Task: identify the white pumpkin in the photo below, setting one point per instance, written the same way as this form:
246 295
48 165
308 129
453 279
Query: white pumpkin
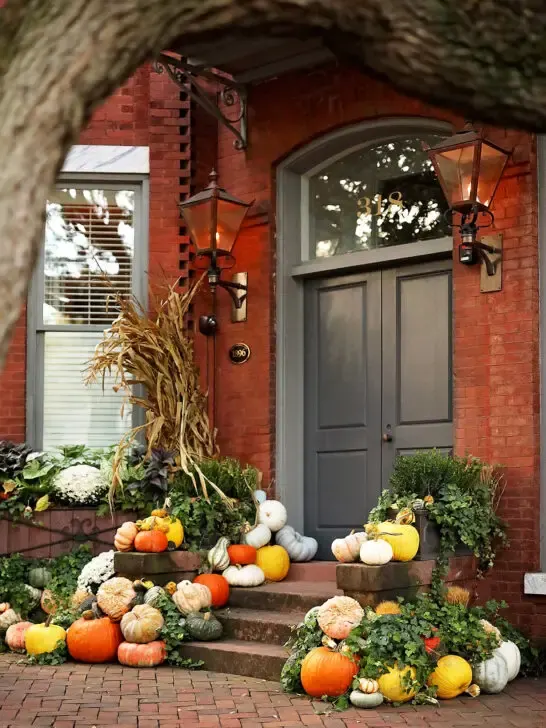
299 548
491 675
510 653
366 685
348 549
190 597
272 514
376 552
365 700
8 618
260 495
259 536
250 575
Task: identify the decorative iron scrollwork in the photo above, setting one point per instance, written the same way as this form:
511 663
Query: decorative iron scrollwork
231 95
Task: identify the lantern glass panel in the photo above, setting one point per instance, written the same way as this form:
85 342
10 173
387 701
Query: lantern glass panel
455 170
230 219
492 162
199 219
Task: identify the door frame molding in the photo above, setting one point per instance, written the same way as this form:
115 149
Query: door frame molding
292 272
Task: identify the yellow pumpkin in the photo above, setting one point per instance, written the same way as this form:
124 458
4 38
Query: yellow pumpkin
452 676
403 539
274 562
175 534
42 638
390 684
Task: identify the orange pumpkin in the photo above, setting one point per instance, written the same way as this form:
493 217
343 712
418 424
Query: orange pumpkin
218 586
242 554
93 640
151 542
325 672
15 636
135 655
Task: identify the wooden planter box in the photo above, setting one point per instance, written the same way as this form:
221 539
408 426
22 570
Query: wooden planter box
370 585
159 568
58 531
429 537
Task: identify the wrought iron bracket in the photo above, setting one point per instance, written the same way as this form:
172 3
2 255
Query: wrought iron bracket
237 291
231 95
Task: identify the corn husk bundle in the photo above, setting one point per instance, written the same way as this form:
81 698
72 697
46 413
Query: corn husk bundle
152 358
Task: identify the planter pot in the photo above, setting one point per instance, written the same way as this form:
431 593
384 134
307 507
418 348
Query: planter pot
429 537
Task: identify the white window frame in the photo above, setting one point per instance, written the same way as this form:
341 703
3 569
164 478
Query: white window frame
35 326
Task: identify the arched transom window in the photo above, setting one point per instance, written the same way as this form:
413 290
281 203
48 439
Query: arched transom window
377 196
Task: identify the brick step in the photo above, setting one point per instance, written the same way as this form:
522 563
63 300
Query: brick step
259 625
285 596
312 571
238 657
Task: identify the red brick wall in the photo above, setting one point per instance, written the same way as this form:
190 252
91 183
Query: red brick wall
146 111
496 370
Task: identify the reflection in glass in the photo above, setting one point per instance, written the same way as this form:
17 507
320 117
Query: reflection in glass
89 247
376 197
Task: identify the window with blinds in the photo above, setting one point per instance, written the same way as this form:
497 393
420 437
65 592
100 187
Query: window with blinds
89 256
89 250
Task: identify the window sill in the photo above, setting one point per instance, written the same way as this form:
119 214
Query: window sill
535 583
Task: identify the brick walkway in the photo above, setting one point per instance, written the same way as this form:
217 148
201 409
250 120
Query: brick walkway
81 696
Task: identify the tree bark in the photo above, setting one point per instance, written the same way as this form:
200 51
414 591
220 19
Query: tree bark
60 59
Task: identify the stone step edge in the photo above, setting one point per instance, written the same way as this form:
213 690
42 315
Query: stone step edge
238 657
259 615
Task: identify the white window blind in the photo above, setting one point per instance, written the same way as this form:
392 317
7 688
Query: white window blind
74 413
89 257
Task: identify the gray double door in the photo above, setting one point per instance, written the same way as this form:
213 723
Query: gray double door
378 384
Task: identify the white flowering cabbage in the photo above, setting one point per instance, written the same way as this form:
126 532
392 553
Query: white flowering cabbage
80 485
97 571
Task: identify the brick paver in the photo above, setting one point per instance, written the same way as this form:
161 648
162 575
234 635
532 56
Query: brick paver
112 696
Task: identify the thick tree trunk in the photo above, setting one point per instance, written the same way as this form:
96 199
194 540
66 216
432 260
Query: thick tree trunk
60 59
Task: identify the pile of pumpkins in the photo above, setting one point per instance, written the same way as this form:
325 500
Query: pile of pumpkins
255 561
379 543
159 532
122 621
331 668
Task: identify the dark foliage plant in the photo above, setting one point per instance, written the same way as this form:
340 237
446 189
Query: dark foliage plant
12 459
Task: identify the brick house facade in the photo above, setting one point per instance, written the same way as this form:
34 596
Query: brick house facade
495 340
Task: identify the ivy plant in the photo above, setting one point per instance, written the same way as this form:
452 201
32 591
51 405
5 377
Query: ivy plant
174 634
306 637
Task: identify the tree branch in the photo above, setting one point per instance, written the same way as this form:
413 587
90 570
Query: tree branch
60 59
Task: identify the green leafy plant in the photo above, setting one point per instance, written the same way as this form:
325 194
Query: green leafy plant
463 495
206 520
306 637
64 570
533 658
173 634
56 657
13 577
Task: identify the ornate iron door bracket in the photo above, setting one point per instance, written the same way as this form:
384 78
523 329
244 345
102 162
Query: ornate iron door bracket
231 94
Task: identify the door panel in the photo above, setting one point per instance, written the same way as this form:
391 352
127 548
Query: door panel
342 404
377 361
417 376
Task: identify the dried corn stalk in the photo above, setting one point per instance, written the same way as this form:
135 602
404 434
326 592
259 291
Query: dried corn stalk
155 352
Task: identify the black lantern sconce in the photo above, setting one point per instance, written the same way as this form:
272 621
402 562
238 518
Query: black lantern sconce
214 218
469 169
